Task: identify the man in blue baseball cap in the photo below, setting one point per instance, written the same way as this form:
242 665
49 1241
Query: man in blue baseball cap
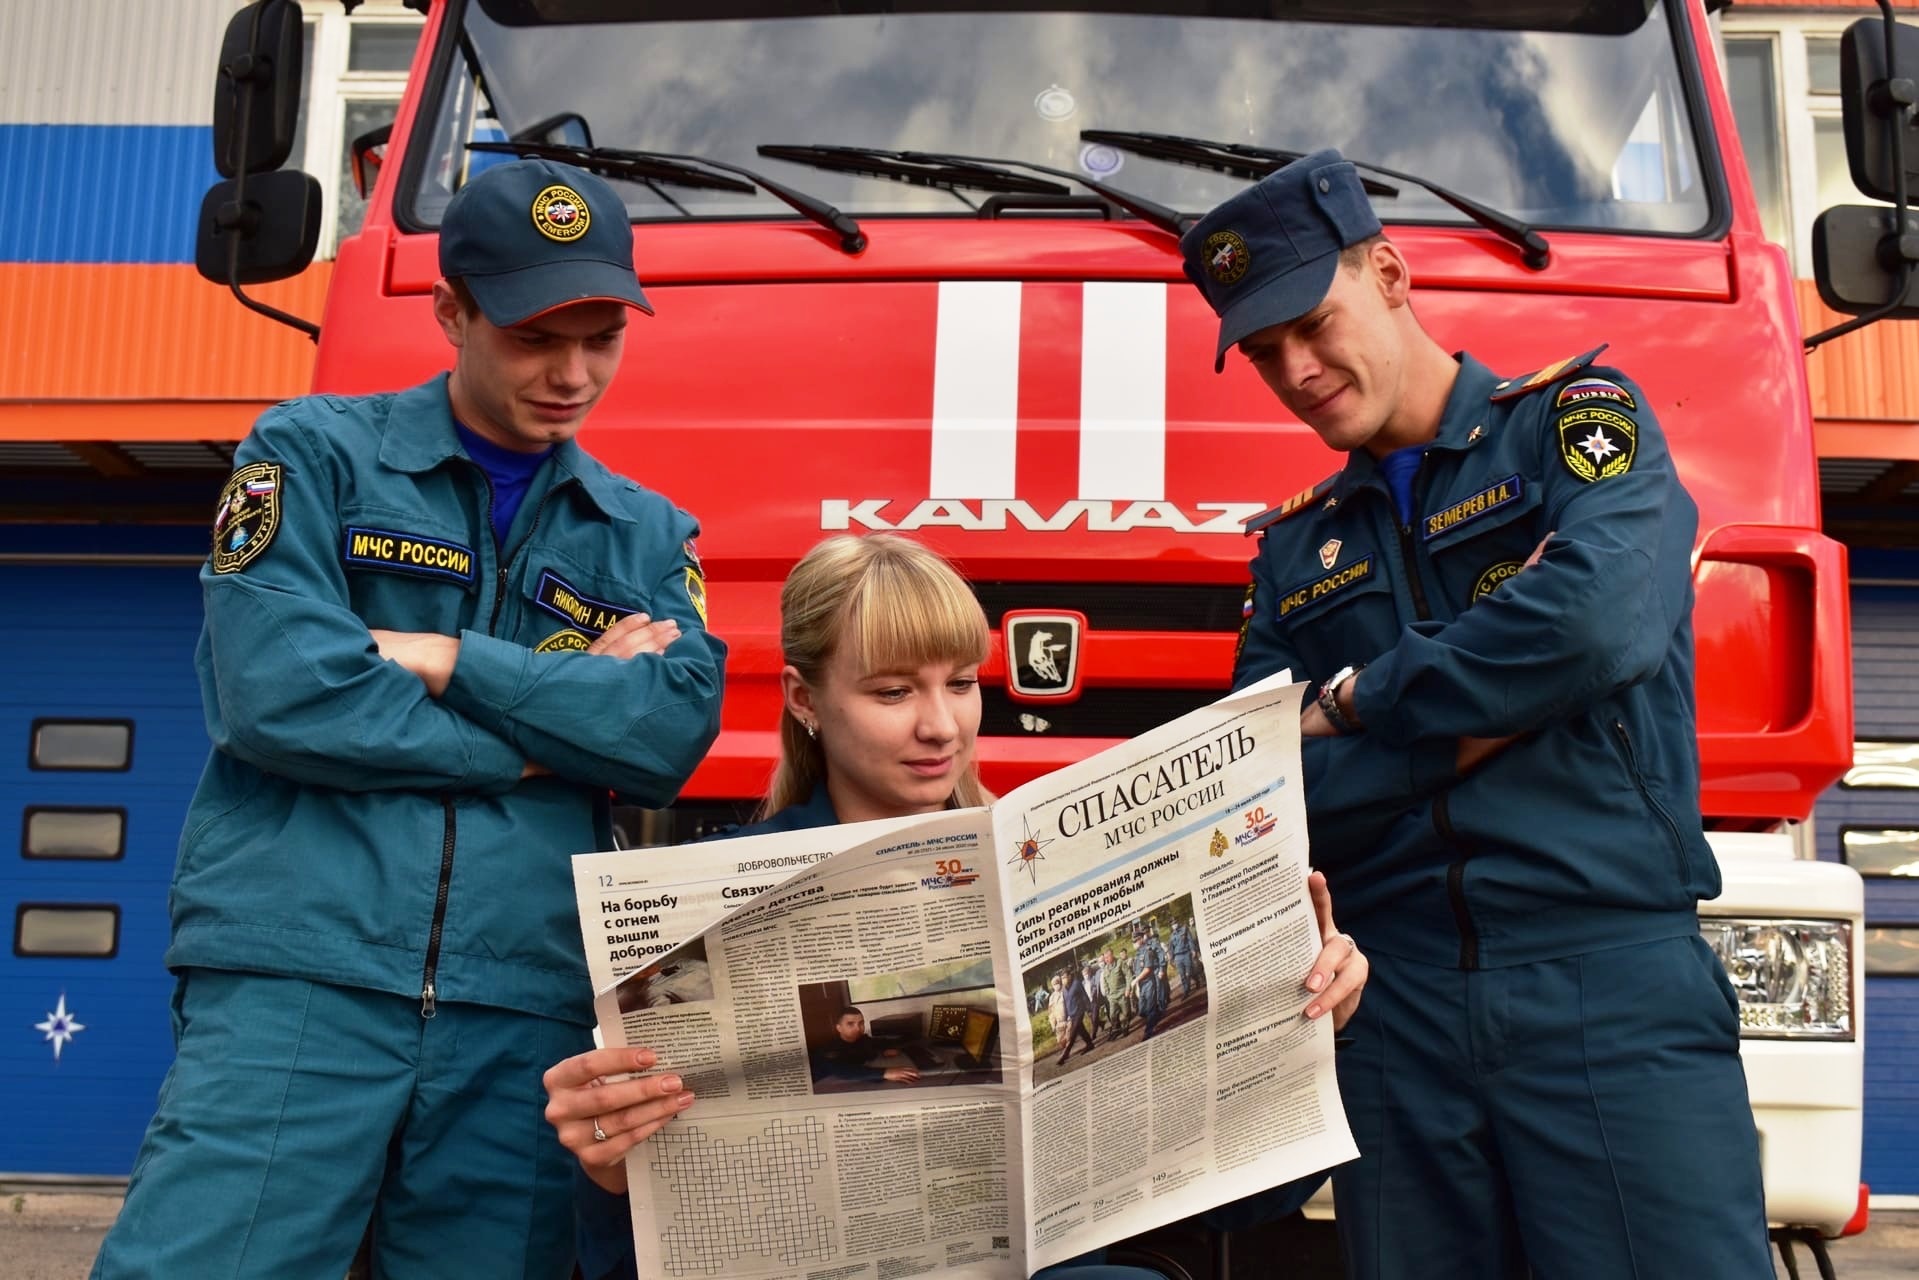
1493 600
438 635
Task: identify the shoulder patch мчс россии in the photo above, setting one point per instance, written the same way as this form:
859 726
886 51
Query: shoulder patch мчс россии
248 516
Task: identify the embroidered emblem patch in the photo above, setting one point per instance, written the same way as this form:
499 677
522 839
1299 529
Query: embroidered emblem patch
557 596
1227 257
407 553
1328 552
560 214
248 516
1583 390
1347 575
1489 581
696 592
1491 498
1597 442
566 640
692 553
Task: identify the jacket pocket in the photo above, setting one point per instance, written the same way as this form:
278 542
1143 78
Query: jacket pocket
1622 738
1482 538
1339 615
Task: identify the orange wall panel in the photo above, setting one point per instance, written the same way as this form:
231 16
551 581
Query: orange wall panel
141 331
1869 375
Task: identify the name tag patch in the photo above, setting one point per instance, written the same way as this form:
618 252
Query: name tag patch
407 553
1347 575
558 597
1491 498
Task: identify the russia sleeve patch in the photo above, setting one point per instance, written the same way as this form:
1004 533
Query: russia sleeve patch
247 518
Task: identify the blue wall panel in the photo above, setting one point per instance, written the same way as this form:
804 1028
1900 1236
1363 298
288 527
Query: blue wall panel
93 642
1885 650
102 193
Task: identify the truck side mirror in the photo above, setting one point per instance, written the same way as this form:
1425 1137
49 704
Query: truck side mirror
274 227
1856 257
1876 105
262 51
1863 256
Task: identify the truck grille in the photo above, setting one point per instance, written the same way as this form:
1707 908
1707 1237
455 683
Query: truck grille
1122 606
1097 713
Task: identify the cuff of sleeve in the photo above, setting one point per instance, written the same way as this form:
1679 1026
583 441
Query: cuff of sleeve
1435 762
486 680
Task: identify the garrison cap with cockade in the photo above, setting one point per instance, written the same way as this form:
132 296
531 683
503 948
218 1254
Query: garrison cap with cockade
1267 255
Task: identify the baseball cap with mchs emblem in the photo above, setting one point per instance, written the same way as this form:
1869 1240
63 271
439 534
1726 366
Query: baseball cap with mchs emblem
534 235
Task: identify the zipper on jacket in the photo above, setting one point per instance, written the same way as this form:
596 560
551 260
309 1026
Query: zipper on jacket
429 997
1456 885
1645 793
499 596
1413 584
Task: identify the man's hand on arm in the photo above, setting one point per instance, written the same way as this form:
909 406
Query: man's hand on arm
635 634
426 654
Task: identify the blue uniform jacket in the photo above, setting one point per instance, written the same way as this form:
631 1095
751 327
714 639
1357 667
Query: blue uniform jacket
348 827
1586 832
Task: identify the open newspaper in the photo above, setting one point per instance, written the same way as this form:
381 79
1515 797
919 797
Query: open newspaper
978 1042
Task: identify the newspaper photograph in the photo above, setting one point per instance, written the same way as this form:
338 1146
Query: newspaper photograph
981 1041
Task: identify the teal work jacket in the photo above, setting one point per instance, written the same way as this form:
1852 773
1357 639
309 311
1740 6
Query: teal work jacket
348 827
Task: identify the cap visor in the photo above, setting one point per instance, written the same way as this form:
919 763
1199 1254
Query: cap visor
1283 298
513 297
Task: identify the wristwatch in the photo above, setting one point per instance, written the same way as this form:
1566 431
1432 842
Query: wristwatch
1329 701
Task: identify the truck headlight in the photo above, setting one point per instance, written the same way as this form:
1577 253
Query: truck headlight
1793 977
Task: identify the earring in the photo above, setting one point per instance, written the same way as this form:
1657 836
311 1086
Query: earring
812 730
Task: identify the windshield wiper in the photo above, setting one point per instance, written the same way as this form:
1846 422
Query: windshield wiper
676 170
946 171
1241 160
920 169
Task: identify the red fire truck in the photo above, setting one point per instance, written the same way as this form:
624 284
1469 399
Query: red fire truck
915 268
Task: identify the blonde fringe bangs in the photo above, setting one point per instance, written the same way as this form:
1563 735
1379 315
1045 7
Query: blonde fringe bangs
909 611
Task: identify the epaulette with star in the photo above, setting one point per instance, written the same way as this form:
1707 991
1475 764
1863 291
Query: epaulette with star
1292 506
1513 388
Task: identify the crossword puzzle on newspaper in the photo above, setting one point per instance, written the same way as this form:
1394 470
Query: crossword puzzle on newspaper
737 1198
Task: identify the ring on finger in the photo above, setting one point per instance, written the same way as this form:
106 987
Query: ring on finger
599 1134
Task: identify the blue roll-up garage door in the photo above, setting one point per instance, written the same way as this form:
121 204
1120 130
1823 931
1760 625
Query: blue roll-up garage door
101 741
1871 820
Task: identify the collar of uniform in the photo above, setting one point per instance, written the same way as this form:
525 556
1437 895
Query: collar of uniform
818 809
601 486
420 437
1469 405
419 428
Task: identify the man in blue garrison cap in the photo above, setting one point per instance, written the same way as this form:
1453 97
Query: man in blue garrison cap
1492 599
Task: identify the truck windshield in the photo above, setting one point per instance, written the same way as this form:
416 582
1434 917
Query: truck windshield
1585 126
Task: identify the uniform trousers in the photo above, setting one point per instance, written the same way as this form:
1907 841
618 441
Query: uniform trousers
297 1112
1575 1119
